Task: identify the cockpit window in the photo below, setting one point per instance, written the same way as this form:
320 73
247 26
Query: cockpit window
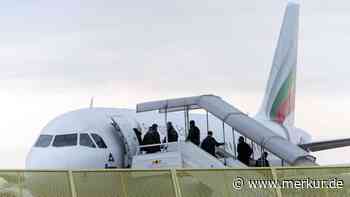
99 141
65 140
85 140
43 141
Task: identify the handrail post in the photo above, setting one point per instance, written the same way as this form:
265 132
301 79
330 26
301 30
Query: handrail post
166 125
72 185
234 142
224 135
252 145
207 116
188 118
185 120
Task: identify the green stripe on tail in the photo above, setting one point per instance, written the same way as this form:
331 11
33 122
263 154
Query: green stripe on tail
284 102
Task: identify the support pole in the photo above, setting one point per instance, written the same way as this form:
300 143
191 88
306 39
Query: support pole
185 120
176 183
275 178
122 181
224 135
207 120
261 153
166 124
71 183
252 145
20 183
234 142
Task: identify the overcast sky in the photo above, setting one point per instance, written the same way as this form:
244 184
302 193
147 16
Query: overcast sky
55 55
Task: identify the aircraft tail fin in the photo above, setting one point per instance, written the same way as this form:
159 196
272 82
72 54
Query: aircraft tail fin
279 100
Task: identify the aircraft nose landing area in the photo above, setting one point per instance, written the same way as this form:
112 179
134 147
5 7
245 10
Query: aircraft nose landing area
308 181
49 159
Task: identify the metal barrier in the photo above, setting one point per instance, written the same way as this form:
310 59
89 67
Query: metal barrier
178 182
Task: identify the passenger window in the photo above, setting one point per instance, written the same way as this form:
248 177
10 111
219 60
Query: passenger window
43 141
65 140
99 141
85 140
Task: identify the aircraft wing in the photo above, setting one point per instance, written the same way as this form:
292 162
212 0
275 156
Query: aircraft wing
325 145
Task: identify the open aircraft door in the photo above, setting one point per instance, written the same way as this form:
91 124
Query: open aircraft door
124 128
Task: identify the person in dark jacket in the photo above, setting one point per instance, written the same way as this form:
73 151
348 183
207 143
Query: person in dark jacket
151 137
147 139
209 144
262 161
244 151
194 133
172 134
138 135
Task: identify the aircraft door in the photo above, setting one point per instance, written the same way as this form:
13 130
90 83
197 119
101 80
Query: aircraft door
124 128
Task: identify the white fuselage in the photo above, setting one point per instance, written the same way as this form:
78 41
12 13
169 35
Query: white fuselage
98 121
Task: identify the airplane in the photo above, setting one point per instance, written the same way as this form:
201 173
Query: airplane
94 137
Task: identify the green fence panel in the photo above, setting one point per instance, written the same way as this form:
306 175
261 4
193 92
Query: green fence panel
10 184
46 184
308 181
255 182
223 182
138 183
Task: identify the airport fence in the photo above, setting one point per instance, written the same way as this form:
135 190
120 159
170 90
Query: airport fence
231 182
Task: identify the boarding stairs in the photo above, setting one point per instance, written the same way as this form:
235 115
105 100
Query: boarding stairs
250 128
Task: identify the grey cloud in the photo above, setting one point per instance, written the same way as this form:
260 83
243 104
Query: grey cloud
206 45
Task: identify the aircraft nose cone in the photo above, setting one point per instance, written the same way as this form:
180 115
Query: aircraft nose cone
47 159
